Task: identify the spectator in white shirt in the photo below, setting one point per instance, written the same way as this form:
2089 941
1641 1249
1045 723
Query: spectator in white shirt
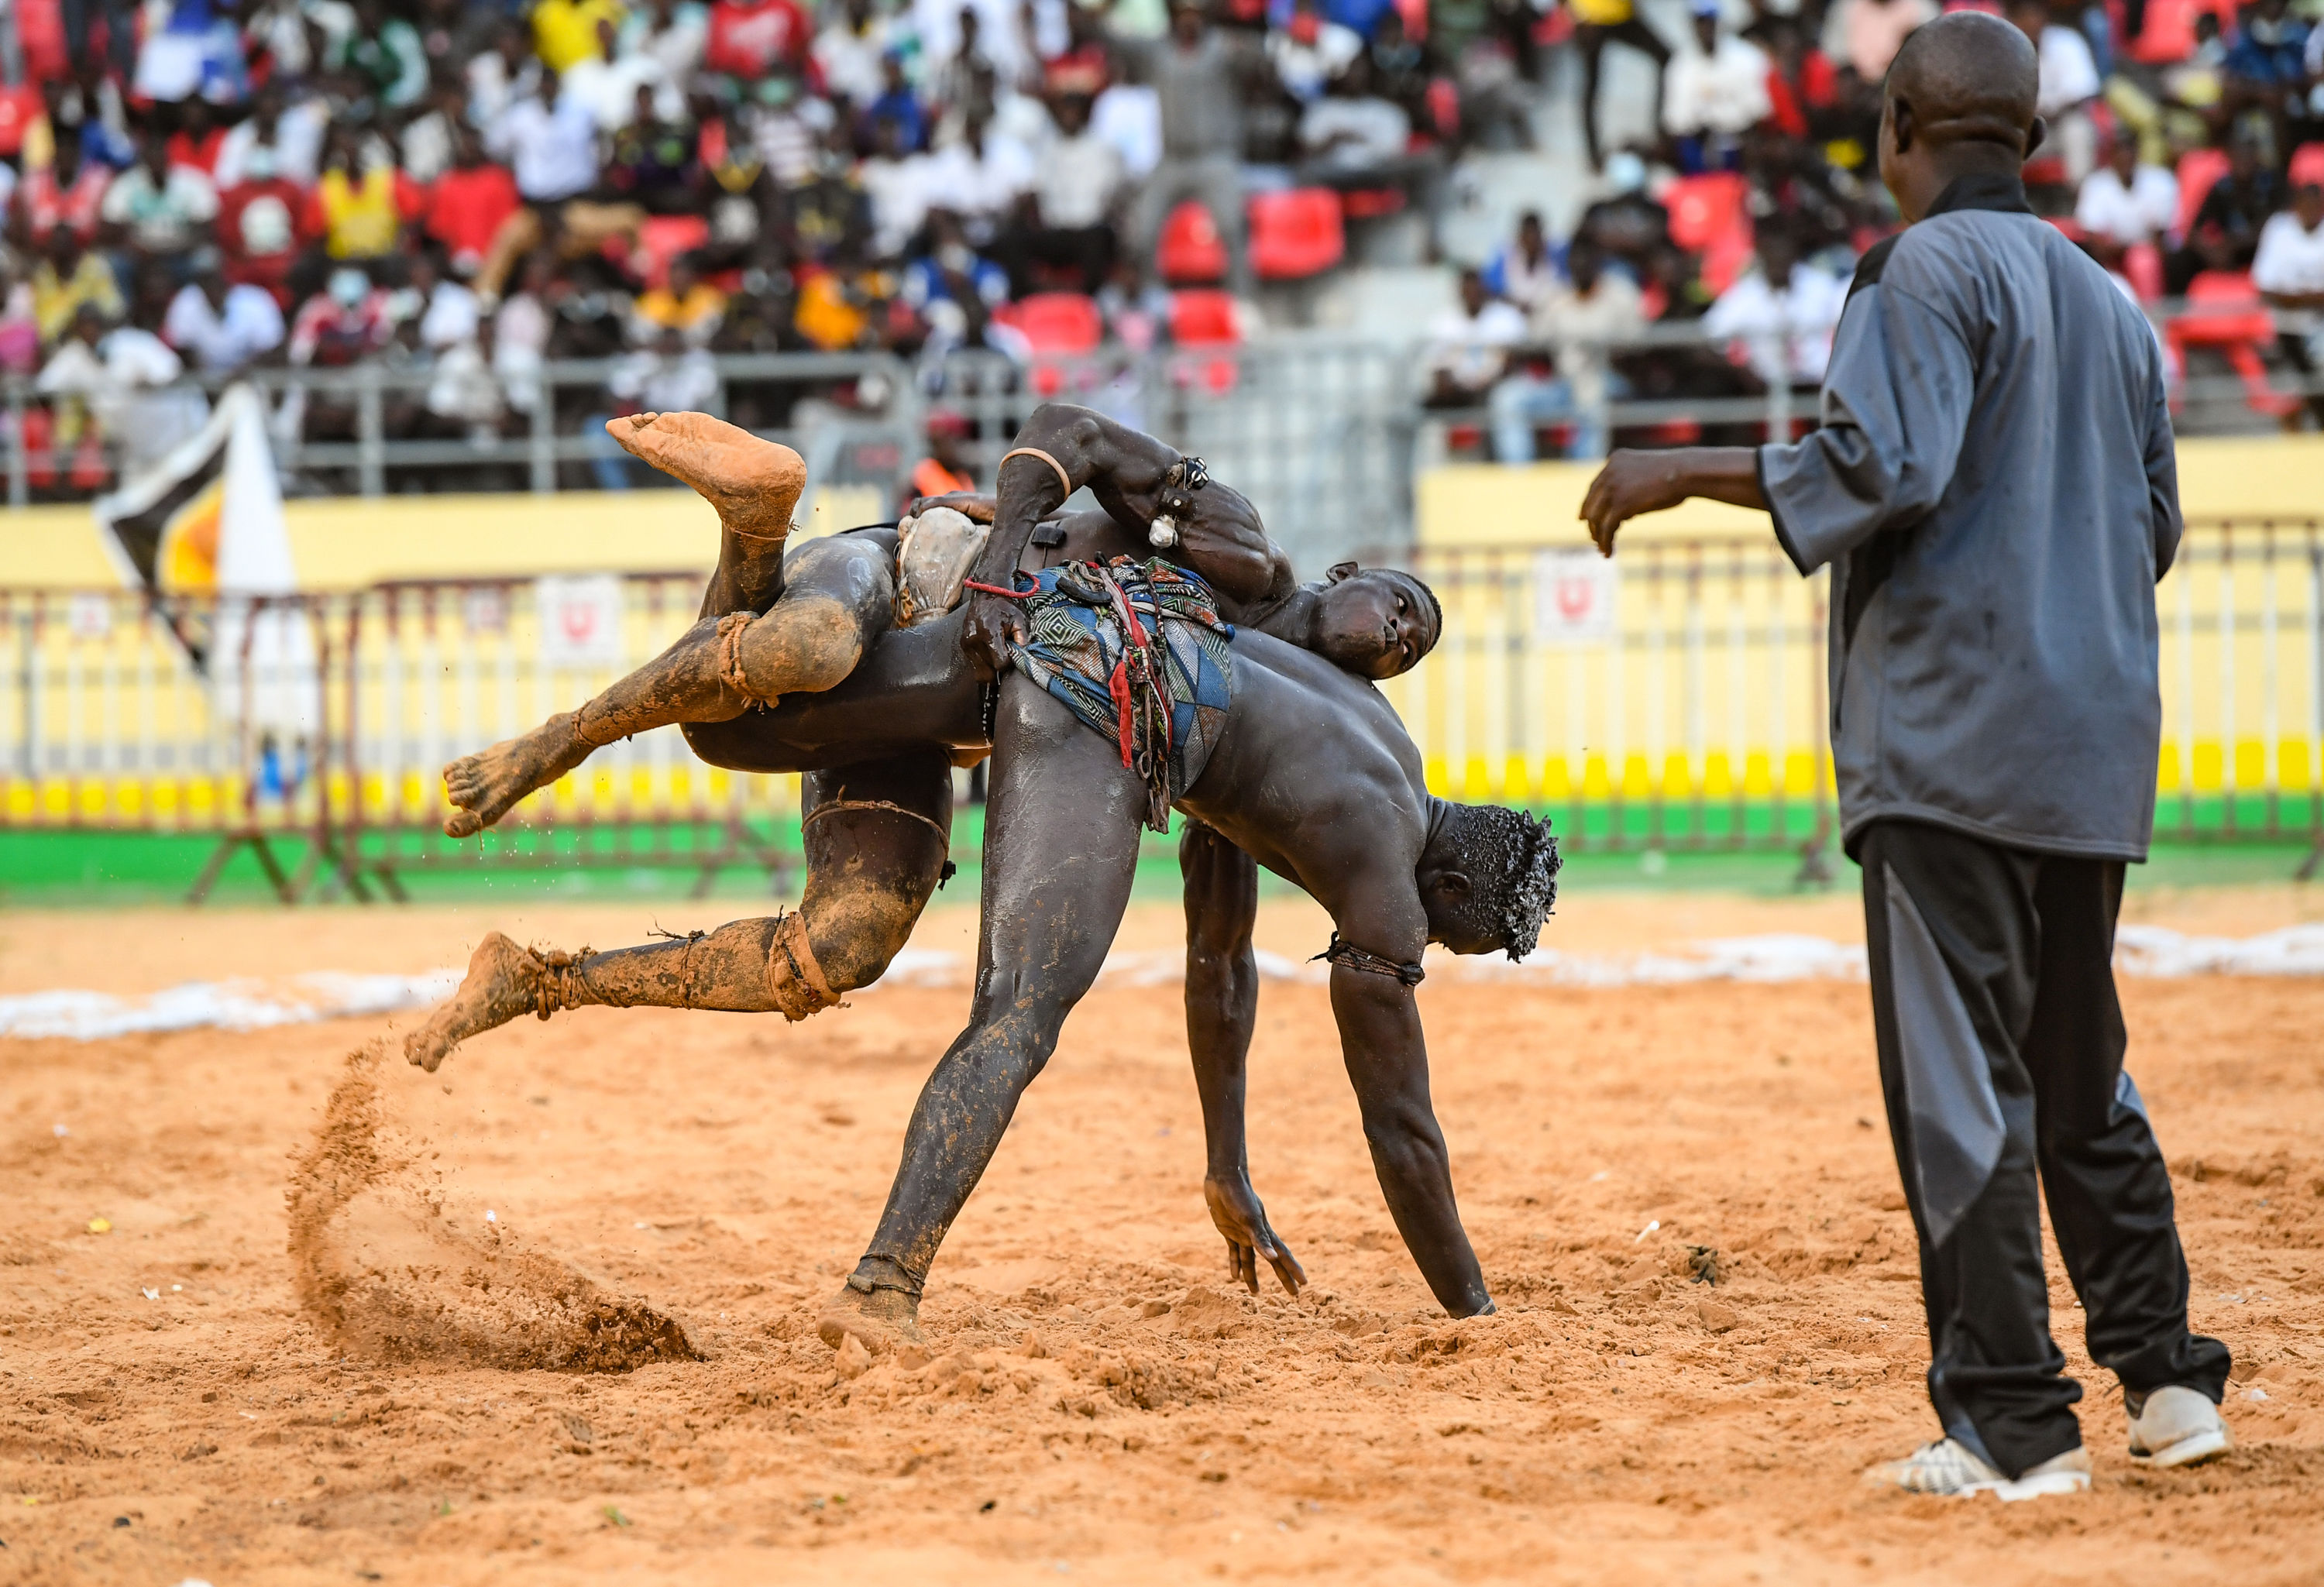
1067 230
1714 91
2124 204
897 182
978 178
221 328
1355 137
1575 321
448 312
1524 270
2289 272
608 82
161 209
1129 116
1783 311
549 139
847 52
672 32
293 131
1310 50
2068 82
127 379
1468 346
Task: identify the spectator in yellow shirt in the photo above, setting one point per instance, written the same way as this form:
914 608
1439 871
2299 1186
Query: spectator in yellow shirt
565 32
69 279
688 304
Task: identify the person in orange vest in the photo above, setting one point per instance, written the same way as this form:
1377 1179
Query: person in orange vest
941 473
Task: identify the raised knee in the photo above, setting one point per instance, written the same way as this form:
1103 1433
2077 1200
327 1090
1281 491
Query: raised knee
857 931
807 644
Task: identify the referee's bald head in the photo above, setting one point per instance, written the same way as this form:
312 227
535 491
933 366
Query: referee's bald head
1967 77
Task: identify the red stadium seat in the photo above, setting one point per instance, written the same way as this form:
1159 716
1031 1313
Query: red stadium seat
2225 312
1061 325
1191 250
2307 169
1296 235
2168 35
1207 321
2142 262
662 238
2199 171
1703 209
1370 203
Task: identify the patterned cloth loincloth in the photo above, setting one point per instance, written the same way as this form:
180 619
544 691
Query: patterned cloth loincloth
1138 653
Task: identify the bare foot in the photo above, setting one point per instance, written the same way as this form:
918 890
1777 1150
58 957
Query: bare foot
883 1319
487 784
753 484
503 981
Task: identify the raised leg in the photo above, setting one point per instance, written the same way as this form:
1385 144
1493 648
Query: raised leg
753 484
876 838
841 596
1060 849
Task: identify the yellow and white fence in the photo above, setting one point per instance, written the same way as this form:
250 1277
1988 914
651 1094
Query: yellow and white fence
1673 697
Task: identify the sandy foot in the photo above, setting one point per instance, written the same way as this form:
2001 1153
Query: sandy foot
881 1320
487 785
754 484
502 982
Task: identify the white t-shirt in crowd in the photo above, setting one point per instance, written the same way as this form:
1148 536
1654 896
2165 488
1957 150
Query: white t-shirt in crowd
2139 213
2290 261
1473 351
899 191
2070 72
1725 91
248 325
552 152
1077 180
1787 334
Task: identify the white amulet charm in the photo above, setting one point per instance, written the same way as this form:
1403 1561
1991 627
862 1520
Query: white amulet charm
1162 533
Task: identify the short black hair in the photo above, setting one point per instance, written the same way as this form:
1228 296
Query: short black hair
1511 861
1436 607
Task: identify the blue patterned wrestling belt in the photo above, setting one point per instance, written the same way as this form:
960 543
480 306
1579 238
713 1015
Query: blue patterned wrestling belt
1138 650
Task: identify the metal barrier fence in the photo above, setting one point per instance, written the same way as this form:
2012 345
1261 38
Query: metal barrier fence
328 717
1672 698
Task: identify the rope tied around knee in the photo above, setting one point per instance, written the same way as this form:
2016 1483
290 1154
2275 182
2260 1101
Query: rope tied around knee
731 628
1349 956
831 807
806 991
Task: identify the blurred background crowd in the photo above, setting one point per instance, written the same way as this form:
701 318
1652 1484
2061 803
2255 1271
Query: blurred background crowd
1528 193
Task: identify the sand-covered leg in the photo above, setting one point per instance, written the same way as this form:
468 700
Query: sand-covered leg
881 1318
487 785
753 484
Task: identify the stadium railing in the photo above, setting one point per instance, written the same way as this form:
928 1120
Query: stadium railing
1670 699
1674 697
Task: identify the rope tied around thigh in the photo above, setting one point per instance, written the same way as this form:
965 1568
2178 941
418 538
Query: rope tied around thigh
831 807
1349 956
731 629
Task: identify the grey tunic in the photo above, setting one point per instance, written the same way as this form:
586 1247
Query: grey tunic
1995 488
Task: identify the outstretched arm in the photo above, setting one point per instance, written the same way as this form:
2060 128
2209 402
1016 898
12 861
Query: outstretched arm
1221 885
1387 1055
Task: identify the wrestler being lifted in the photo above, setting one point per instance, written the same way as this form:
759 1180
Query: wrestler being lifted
773 625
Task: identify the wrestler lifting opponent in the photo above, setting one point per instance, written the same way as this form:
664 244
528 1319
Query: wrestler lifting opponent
1308 770
875 858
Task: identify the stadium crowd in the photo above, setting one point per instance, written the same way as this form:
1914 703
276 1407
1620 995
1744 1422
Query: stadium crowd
460 192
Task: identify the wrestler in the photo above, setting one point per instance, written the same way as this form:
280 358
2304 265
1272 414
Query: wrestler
1307 769
773 625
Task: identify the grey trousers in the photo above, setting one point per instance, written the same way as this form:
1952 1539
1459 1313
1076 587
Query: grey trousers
2001 1046
1216 182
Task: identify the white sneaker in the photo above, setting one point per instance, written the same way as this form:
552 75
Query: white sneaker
1952 1470
2175 1427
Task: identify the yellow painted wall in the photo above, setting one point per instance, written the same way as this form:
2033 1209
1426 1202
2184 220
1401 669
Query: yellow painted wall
348 542
1483 503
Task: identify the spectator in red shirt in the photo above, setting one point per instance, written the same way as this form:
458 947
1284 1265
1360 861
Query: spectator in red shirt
197 142
1803 87
260 227
469 204
748 38
65 193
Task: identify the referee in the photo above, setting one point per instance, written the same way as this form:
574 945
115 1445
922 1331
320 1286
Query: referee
1994 491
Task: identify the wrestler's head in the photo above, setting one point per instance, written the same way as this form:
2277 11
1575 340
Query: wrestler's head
1375 622
1487 879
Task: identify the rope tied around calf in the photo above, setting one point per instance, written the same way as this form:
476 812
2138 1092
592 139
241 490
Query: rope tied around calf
1349 957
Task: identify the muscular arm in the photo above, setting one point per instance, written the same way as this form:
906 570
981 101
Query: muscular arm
1221 895
1387 1056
